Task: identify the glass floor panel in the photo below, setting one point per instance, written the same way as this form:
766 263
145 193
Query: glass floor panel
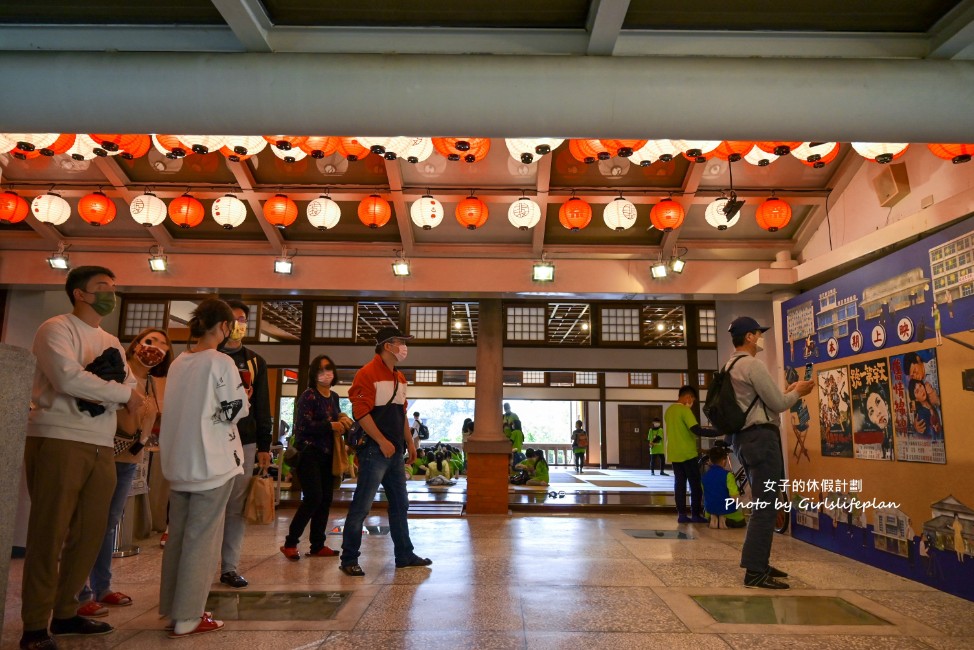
786 610
656 534
275 605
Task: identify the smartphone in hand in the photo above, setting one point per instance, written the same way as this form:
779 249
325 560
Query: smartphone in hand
808 371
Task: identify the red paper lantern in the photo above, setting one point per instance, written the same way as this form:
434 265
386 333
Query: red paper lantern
112 142
733 150
623 148
463 148
97 209
232 155
24 154
351 149
777 148
280 211
824 160
957 153
587 151
667 215
135 146
319 146
174 147
64 142
13 208
374 211
574 214
471 213
286 142
186 212
773 214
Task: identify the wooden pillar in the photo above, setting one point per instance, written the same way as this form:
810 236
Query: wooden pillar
488 449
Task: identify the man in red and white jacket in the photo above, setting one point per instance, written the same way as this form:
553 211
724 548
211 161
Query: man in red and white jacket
378 396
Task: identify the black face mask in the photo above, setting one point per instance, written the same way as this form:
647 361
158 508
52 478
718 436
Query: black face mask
226 338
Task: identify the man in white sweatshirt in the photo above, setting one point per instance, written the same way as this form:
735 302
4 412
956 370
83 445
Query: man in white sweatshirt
69 459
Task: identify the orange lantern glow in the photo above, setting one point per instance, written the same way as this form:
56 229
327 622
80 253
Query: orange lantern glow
733 150
64 142
351 149
574 214
319 146
280 211
623 148
667 215
773 214
135 146
286 142
13 208
23 154
956 153
471 213
587 151
374 211
186 212
97 209
172 145
777 148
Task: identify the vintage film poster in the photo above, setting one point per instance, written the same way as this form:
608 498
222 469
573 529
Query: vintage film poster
835 412
872 412
917 415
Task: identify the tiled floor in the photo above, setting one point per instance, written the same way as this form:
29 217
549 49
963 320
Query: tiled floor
554 581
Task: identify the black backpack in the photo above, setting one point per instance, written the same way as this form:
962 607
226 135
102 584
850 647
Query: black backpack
424 432
721 407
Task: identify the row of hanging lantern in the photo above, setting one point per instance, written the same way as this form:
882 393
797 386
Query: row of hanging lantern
291 148
374 211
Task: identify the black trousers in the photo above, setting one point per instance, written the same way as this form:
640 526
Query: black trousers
317 490
684 472
652 462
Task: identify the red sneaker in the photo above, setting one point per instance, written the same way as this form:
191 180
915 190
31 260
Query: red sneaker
164 539
291 553
93 609
206 624
324 551
116 599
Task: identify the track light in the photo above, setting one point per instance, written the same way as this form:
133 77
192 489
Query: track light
658 270
677 263
59 259
543 271
157 262
283 264
400 267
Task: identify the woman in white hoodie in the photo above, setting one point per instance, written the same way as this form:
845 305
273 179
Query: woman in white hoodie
201 454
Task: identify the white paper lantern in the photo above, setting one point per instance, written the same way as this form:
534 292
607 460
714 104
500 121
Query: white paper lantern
148 209
289 156
881 152
664 150
323 213
528 150
6 144
715 214
83 148
50 208
417 150
759 157
805 151
203 143
620 214
642 156
32 140
246 145
524 213
696 148
426 212
229 211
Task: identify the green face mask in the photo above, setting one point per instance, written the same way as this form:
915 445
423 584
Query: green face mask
104 302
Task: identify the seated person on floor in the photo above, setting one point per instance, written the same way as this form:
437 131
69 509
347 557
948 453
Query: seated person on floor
438 471
538 470
418 466
718 486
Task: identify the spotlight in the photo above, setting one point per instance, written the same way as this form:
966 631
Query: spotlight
158 262
400 268
283 264
584 327
543 272
59 259
677 265
659 270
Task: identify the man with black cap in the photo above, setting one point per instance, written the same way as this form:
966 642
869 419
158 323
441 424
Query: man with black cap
758 446
378 396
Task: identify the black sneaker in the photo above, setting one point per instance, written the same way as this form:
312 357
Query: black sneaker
233 579
415 562
353 570
776 573
79 625
762 580
37 640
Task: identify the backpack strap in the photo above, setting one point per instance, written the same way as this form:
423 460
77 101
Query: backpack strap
757 397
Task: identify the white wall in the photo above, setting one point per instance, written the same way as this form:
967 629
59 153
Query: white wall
26 310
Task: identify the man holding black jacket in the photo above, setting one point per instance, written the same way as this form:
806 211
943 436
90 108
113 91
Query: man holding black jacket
255 437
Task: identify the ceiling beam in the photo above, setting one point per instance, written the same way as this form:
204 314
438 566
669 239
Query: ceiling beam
120 181
403 218
245 179
604 24
249 22
541 198
690 184
953 36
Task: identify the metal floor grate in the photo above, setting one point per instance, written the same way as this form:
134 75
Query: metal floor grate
431 509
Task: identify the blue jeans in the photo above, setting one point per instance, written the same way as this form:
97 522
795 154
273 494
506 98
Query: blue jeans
375 470
100 578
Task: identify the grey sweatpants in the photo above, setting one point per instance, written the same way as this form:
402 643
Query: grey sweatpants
195 524
236 525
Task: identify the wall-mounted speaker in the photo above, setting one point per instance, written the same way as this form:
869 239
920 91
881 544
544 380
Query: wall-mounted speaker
892 184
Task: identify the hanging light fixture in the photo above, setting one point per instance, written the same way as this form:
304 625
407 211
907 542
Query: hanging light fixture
956 153
543 271
677 261
148 209
50 208
426 212
667 215
323 213
717 216
575 214
880 152
620 214
773 214
524 213
13 208
284 264
659 269
186 211
374 211
228 211
157 260
471 212
400 267
417 150
59 259
97 209
280 211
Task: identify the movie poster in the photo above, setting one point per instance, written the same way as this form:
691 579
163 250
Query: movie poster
835 412
872 421
917 416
